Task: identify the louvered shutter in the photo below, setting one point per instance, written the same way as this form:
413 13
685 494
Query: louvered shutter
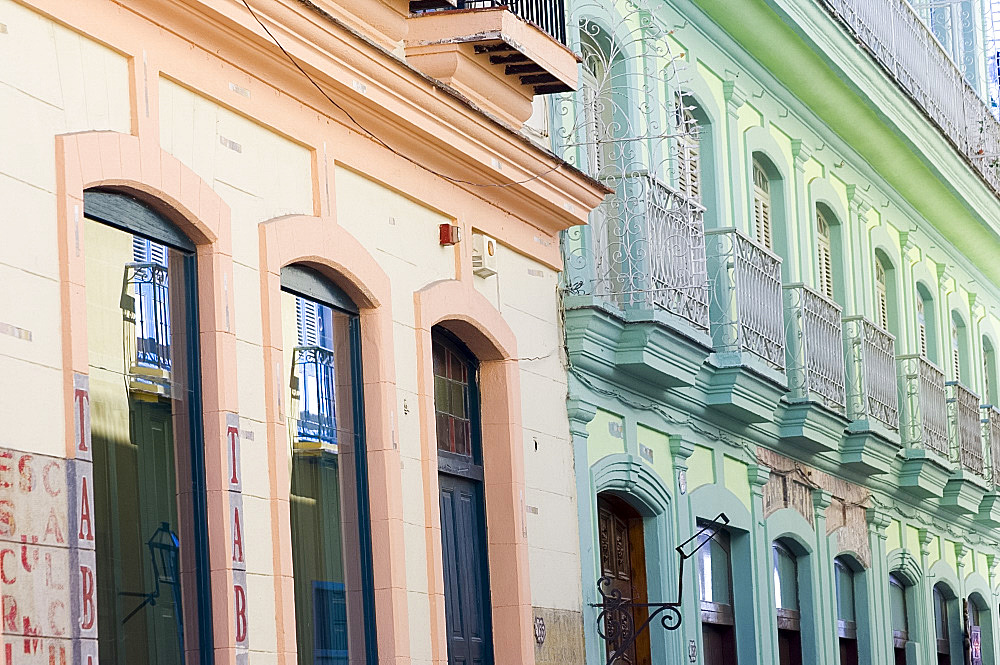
307 322
956 358
593 125
762 206
688 152
824 256
882 301
922 327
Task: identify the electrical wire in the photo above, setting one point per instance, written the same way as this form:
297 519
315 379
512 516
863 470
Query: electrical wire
374 136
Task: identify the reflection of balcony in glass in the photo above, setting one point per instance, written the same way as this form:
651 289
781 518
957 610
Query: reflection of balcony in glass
313 378
146 317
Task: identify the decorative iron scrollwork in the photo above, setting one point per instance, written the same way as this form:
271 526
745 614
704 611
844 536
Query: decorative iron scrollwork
616 623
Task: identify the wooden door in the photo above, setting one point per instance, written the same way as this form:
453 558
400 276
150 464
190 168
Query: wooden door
466 598
848 651
789 647
718 644
623 562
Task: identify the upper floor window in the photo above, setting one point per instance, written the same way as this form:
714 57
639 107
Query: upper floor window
762 205
824 255
926 323
961 371
921 327
990 384
956 353
881 296
688 150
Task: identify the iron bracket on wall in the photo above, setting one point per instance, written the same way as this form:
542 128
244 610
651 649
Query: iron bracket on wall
616 620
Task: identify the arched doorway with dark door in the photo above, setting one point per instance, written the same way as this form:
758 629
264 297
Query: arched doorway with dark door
847 619
979 629
462 501
623 563
715 590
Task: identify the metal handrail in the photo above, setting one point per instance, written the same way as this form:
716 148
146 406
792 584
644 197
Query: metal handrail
815 348
966 427
871 372
548 15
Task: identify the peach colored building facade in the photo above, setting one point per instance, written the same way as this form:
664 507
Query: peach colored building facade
190 108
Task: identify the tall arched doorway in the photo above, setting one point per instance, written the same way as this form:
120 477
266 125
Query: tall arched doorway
623 563
462 501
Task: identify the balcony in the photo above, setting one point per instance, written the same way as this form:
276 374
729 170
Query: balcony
871 395
924 426
643 260
146 320
747 325
989 509
897 38
967 486
314 428
815 370
497 54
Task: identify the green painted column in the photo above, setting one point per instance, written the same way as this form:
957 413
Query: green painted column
924 609
680 451
804 268
767 624
957 645
735 98
580 414
864 270
991 575
908 341
944 319
878 588
824 585
977 380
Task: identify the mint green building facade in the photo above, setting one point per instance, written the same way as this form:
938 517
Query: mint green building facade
788 311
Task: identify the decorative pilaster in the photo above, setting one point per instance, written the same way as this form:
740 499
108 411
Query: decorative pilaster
687 523
735 98
907 342
766 625
878 603
945 289
824 584
864 298
924 615
804 267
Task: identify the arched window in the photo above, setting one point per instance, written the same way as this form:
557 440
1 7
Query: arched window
881 296
990 383
960 369
786 604
715 586
886 302
942 626
824 254
980 625
689 180
899 616
153 585
462 500
762 208
605 102
927 323
847 626
331 540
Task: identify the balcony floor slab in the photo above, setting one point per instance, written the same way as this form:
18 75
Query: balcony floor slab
742 393
989 509
963 494
924 474
868 452
812 427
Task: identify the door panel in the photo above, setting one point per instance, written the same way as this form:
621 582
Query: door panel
466 600
623 562
719 644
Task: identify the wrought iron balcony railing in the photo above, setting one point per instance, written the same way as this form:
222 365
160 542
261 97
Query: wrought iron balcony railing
149 315
746 307
871 372
966 427
549 15
647 248
991 436
313 391
900 41
815 355
925 405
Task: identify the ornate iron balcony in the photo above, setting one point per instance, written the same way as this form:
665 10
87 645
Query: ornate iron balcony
925 405
966 427
548 15
815 351
314 393
746 304
871 372
149 314
897 38
991 436
646 248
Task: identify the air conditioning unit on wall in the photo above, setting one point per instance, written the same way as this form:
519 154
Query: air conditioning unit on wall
484 255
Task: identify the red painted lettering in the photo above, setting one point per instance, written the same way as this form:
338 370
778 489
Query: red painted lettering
9 614
27 477
241 612
57 613
8 524
81 397
5 468
53 490
53 652
234 432
86 527
50 579
28 567
87 598
52 528
237 536
4 566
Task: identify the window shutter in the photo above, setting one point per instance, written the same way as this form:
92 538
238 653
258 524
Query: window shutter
762 205
307 322
824 256
140 249
688 152
922 327
593 124
882 301
956 357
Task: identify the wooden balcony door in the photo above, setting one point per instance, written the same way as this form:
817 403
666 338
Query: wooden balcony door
623 561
